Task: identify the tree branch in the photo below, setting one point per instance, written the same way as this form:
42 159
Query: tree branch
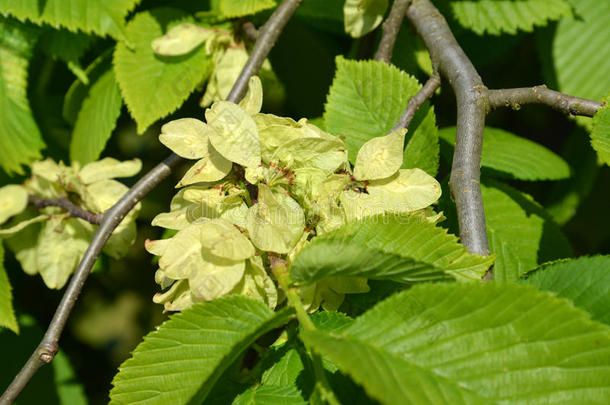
266 39
48 347
564 103
451 61
73 210
417 100
391 26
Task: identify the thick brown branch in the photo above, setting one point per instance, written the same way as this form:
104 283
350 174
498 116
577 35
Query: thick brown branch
46 350
391 26
451 61
417 100
71 209
514 98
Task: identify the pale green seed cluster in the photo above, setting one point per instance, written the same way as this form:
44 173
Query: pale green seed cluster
53 248
265 185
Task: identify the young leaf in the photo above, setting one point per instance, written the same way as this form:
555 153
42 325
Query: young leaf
562 64
520 232
365 101
20 139
253 100
600 135
181 39
13 200
508 16
96 119
512 156
467 341
405 249
363 16
102 18
224 240
380 157
235 134
240 8
7 313
180 362
276 222
109 168
152 86
186 137
61 244
585 281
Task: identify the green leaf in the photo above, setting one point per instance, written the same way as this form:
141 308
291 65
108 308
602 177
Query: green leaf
600 135
563 66
13 200
7 313
240 8
520 232
404 249
474 344
271 395
508 16
363 16
365 101
20 139
96 119
180 362
8 232
512 156
154 86
585 281
100 17
56 384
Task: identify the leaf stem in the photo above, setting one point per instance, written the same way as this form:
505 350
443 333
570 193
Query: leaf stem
280 271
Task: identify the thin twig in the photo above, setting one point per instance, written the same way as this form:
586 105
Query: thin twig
48 347
417 100
515 98
249 31
451 61
391 26
267 36
73 210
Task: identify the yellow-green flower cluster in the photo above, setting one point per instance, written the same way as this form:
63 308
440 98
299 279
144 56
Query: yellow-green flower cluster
265 185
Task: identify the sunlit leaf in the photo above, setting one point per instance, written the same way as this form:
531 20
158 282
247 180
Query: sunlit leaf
153 86
473 344
600 136
363 16
102 18
181 361
585 281
20 139
235 134
240 8
7 313
109 168
405 249
181 39
13 200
